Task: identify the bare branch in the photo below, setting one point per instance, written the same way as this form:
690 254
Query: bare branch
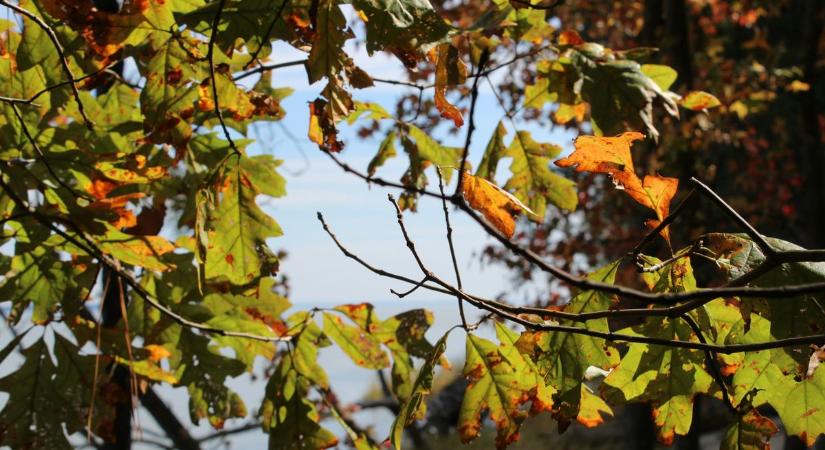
452 247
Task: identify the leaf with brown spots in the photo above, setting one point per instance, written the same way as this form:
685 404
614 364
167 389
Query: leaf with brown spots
363 348
751 431
500 380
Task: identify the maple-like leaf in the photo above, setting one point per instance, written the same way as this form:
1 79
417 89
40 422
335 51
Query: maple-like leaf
751 431
667 377
288 416
532 180
563 358
363 348
237 230
611 155
500 380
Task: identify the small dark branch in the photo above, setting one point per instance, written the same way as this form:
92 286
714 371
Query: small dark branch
452 247
224 433
210 56
420 87
513 60
411 290
388 403
265 37
72 81
19 101
711 361
13 217
766 248
265 67
380 181
661 226
542 6
513 314
43 157
471 127
170 424
664 298
89 247
410 244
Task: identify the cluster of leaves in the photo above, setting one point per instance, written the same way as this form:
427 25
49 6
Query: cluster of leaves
139 181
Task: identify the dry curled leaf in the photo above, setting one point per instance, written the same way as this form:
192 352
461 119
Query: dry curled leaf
498 206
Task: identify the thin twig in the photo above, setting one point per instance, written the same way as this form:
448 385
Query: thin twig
410 291
609 336
749 229
43 157
662 298
265 37
210 56
471 127
452 247
265 67
63 61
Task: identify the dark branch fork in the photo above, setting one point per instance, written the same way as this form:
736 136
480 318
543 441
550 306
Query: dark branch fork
64 62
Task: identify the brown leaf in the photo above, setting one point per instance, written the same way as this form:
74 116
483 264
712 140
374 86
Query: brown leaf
449 71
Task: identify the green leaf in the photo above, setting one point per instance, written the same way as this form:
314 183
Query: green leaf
799 405
39 277
532 181
385 151
751 431
667 377
500 380
48 396
414 408
793 316
291 420
237 230
492 154
663 76
563 358
404 335
402 24
362 348
620 95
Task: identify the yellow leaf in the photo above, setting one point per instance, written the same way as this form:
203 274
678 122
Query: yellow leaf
699 100
566 113
497 205
798 86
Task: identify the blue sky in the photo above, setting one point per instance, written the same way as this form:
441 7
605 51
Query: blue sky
360 214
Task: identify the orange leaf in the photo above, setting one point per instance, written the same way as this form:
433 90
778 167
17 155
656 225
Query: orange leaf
570 37
157 352
611 155
497 205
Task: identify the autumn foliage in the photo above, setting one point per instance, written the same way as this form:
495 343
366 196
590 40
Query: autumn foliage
136 252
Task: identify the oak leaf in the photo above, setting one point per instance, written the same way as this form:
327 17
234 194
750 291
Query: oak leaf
449 71
611 155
